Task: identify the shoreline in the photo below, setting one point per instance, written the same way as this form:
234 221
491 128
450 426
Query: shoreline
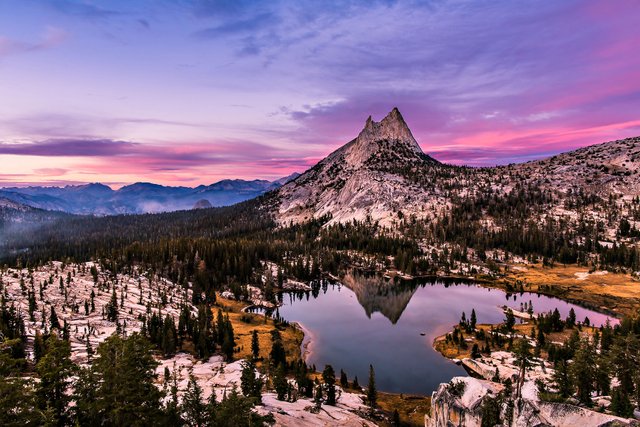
306 347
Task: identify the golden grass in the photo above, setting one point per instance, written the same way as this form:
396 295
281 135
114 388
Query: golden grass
245 323
451 350
412 409
615 292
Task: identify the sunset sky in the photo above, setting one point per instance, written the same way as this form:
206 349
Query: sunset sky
189 92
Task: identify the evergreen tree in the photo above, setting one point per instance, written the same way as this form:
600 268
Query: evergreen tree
473 319
255 345
540 339
112 307
280 383
123 375
193 407
490 412
228 340
475 351
624 351
510 320
582 372
169 336
523 356
18 405
603 375
55 370
329 380
277 356
304 383
85 410
562 378
172 408
620 403
344 382
236 411
53 319
250 384
372 392
571 319
38 346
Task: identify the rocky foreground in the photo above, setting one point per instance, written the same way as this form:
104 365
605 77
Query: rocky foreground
465 401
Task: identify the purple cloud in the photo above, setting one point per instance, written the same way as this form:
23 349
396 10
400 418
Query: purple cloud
70 147
51 38
478 82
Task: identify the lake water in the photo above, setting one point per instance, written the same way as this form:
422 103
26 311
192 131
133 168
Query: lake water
371 320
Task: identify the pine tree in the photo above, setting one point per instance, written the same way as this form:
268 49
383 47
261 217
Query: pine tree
372 392
540 339
475 351
582 372
112 307
277 356
250 384
603 375
236 411
89 350
620 403
344 382
193 406
228 343
169 336
523 356
571 319
120 384
473 319
490 412
18 404
623 353
329 380
53 319
280 383
38 346
356 384
255 345
55 370
510 320
562 379
172 408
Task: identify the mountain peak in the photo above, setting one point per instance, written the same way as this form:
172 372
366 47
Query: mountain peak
391 133
373 176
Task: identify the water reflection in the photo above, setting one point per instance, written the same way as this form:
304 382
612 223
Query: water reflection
392 324
385 296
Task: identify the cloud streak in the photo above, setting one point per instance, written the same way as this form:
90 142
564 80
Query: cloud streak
52 37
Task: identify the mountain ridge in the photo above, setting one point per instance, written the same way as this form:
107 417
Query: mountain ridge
139 197
384 175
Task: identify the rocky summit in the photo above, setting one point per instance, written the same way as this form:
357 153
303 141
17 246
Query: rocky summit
367 177
384 175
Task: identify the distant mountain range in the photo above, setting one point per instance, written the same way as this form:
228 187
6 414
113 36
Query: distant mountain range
141 197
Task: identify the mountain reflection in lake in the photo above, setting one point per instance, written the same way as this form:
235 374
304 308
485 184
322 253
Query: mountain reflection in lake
372 320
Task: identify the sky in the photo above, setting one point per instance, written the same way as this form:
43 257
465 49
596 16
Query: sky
188 92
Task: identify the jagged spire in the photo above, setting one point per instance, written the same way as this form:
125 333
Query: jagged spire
391 128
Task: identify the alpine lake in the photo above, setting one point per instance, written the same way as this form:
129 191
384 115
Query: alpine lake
392 323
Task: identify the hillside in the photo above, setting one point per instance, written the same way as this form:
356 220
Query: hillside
383 175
